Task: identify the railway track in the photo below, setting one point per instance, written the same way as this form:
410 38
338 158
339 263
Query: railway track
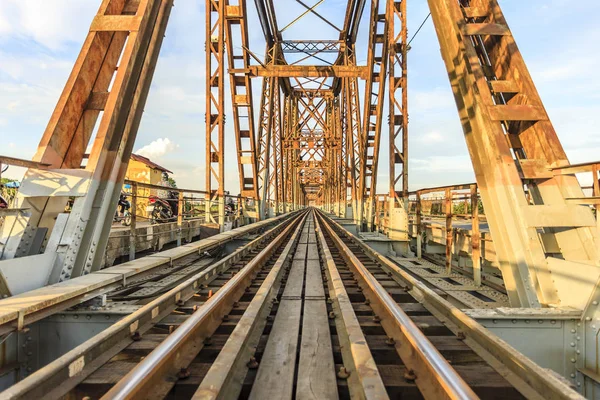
305 311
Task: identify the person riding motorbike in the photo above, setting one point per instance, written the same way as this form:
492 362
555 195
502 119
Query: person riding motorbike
170 196
123 214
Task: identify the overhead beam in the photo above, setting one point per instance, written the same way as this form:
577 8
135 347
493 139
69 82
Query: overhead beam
306 71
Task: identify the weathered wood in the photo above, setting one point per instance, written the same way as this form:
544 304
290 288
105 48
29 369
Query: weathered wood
314 281
316 370
295 281
357 357
312 252
275 377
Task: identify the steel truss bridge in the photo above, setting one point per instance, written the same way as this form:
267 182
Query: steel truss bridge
324 288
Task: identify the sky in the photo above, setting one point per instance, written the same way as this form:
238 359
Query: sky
40 40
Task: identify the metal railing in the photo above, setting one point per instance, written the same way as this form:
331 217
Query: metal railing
191 205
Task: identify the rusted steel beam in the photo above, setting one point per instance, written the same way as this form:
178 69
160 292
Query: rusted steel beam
311 46
377 60
242 97
475 57
215 109
18 162
303 71
398 101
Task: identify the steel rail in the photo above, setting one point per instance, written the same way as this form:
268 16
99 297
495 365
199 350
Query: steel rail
528 377
225 377
57 378
187 340
18 311
357 357
435 377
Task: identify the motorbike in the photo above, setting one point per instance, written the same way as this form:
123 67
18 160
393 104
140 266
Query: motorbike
125 206
159 210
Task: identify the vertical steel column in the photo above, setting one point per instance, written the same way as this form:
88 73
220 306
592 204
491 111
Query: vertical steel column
264 144
352 105
276 177
398 103
215 109
372 118
475 236
241 96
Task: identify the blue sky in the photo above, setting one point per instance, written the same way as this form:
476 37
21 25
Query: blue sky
40 40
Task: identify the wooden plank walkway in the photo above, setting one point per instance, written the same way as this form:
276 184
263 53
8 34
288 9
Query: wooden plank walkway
302 309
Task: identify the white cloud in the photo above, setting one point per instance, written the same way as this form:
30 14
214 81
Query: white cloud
45 21
157 148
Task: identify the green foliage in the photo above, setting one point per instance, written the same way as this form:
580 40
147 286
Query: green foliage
459 208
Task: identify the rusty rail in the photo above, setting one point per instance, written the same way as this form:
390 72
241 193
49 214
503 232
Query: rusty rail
165 358
436 377
57 378
521 372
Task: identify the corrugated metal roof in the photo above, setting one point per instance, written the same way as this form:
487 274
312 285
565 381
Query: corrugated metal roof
148 162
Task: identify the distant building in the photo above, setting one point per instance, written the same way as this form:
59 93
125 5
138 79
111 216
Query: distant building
144 170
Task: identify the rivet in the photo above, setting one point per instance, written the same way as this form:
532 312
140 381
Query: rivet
252 364
572 360
573 331
595 302
409 375
572 344
553 322
343 373
572 375
588 319
183 373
